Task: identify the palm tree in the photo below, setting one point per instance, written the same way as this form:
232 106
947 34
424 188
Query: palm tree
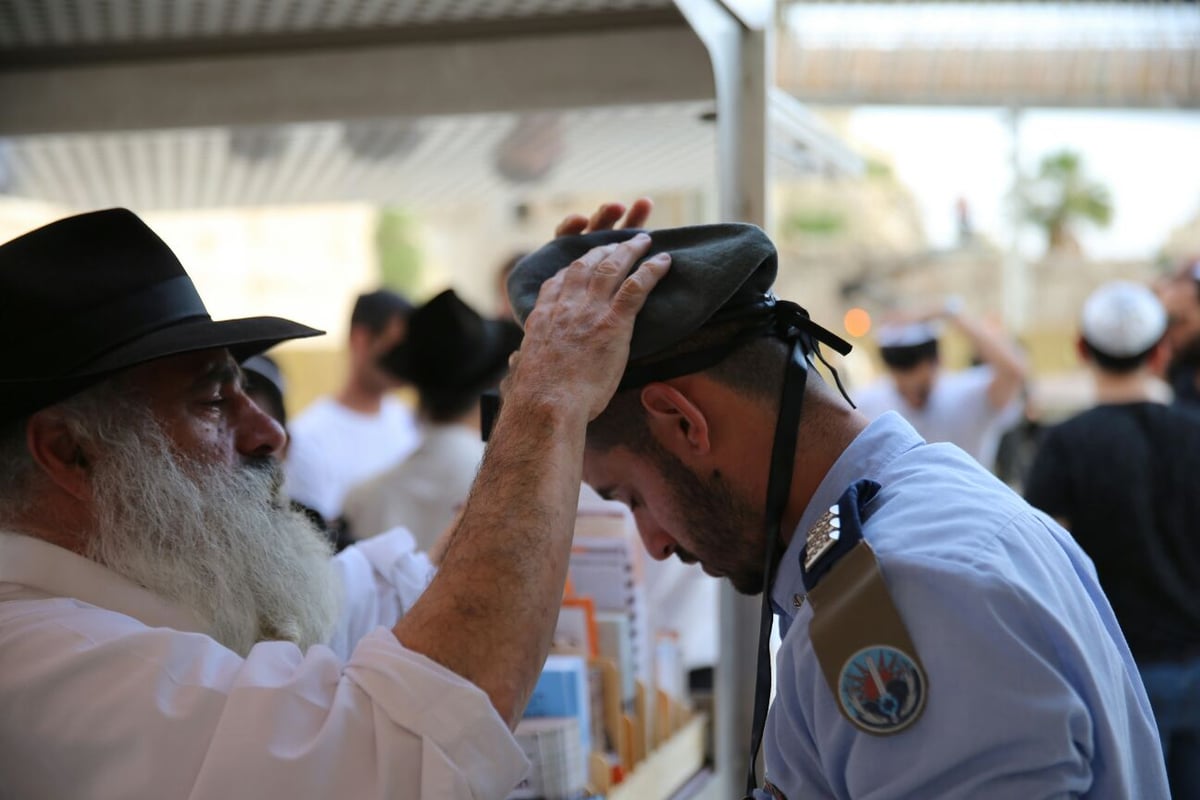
1060 196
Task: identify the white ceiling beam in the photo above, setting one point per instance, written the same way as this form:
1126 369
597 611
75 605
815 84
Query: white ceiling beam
567 70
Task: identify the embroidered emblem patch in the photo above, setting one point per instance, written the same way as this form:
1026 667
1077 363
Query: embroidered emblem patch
882 690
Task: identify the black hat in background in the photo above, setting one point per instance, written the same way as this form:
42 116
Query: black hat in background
451 349
264 381
93 294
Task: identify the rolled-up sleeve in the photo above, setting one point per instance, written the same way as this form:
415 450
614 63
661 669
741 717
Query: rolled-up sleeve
381 578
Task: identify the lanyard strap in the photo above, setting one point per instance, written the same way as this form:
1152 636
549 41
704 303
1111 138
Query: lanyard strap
783 456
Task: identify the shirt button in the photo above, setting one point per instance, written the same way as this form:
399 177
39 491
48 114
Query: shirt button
797 600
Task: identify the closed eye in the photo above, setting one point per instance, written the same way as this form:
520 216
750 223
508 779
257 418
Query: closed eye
609 493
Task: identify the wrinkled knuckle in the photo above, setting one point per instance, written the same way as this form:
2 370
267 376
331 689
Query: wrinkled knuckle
636 283
550 284
534 319
627 297
608 269
635 292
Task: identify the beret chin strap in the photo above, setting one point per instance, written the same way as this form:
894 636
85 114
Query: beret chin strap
792 323
766 316
779 483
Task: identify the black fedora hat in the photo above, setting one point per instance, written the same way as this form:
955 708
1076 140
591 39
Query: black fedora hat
449 348
90 295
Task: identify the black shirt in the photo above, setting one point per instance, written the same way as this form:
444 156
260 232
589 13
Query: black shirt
1125 480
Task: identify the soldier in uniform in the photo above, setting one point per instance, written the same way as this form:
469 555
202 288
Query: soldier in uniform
941 638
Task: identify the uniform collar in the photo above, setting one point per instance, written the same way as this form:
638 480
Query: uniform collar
866 457
53 570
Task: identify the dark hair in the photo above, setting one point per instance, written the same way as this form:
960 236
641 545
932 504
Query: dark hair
908 356
754 369
443 405
374 310
1118 364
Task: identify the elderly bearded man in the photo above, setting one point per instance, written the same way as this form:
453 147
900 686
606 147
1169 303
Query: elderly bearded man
161 609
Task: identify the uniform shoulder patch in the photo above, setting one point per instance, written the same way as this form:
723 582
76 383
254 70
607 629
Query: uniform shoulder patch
882 689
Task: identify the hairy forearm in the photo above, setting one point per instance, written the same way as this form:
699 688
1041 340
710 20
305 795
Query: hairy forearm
515 531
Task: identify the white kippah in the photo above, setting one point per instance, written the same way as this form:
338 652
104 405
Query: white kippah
1122 319
907 335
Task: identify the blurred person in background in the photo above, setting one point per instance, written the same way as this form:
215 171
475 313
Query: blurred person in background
1180 294
1123 478
340 441
503 307
170 629
451 355
971 408
265 386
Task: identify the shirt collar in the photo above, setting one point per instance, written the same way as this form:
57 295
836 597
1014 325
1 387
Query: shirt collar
58 572
866 457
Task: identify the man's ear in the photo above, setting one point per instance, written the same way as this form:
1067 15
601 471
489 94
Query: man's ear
360 338
60 454
1159 358
677 422
1081 350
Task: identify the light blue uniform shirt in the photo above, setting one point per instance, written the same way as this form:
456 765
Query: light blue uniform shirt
1032 692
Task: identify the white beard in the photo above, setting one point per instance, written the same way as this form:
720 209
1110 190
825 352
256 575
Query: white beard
216 541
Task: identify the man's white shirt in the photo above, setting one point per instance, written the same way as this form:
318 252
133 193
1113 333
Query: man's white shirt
109 691
958 411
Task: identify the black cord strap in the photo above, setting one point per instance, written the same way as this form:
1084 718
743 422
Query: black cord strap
783 456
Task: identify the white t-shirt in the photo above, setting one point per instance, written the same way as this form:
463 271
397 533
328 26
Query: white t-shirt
958 411
109 691
421 493
332 448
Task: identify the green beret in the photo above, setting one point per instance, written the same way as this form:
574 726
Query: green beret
713 268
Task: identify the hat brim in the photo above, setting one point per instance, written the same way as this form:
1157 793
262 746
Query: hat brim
242 337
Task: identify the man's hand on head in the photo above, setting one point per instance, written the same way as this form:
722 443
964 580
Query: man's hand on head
577 337
606 218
